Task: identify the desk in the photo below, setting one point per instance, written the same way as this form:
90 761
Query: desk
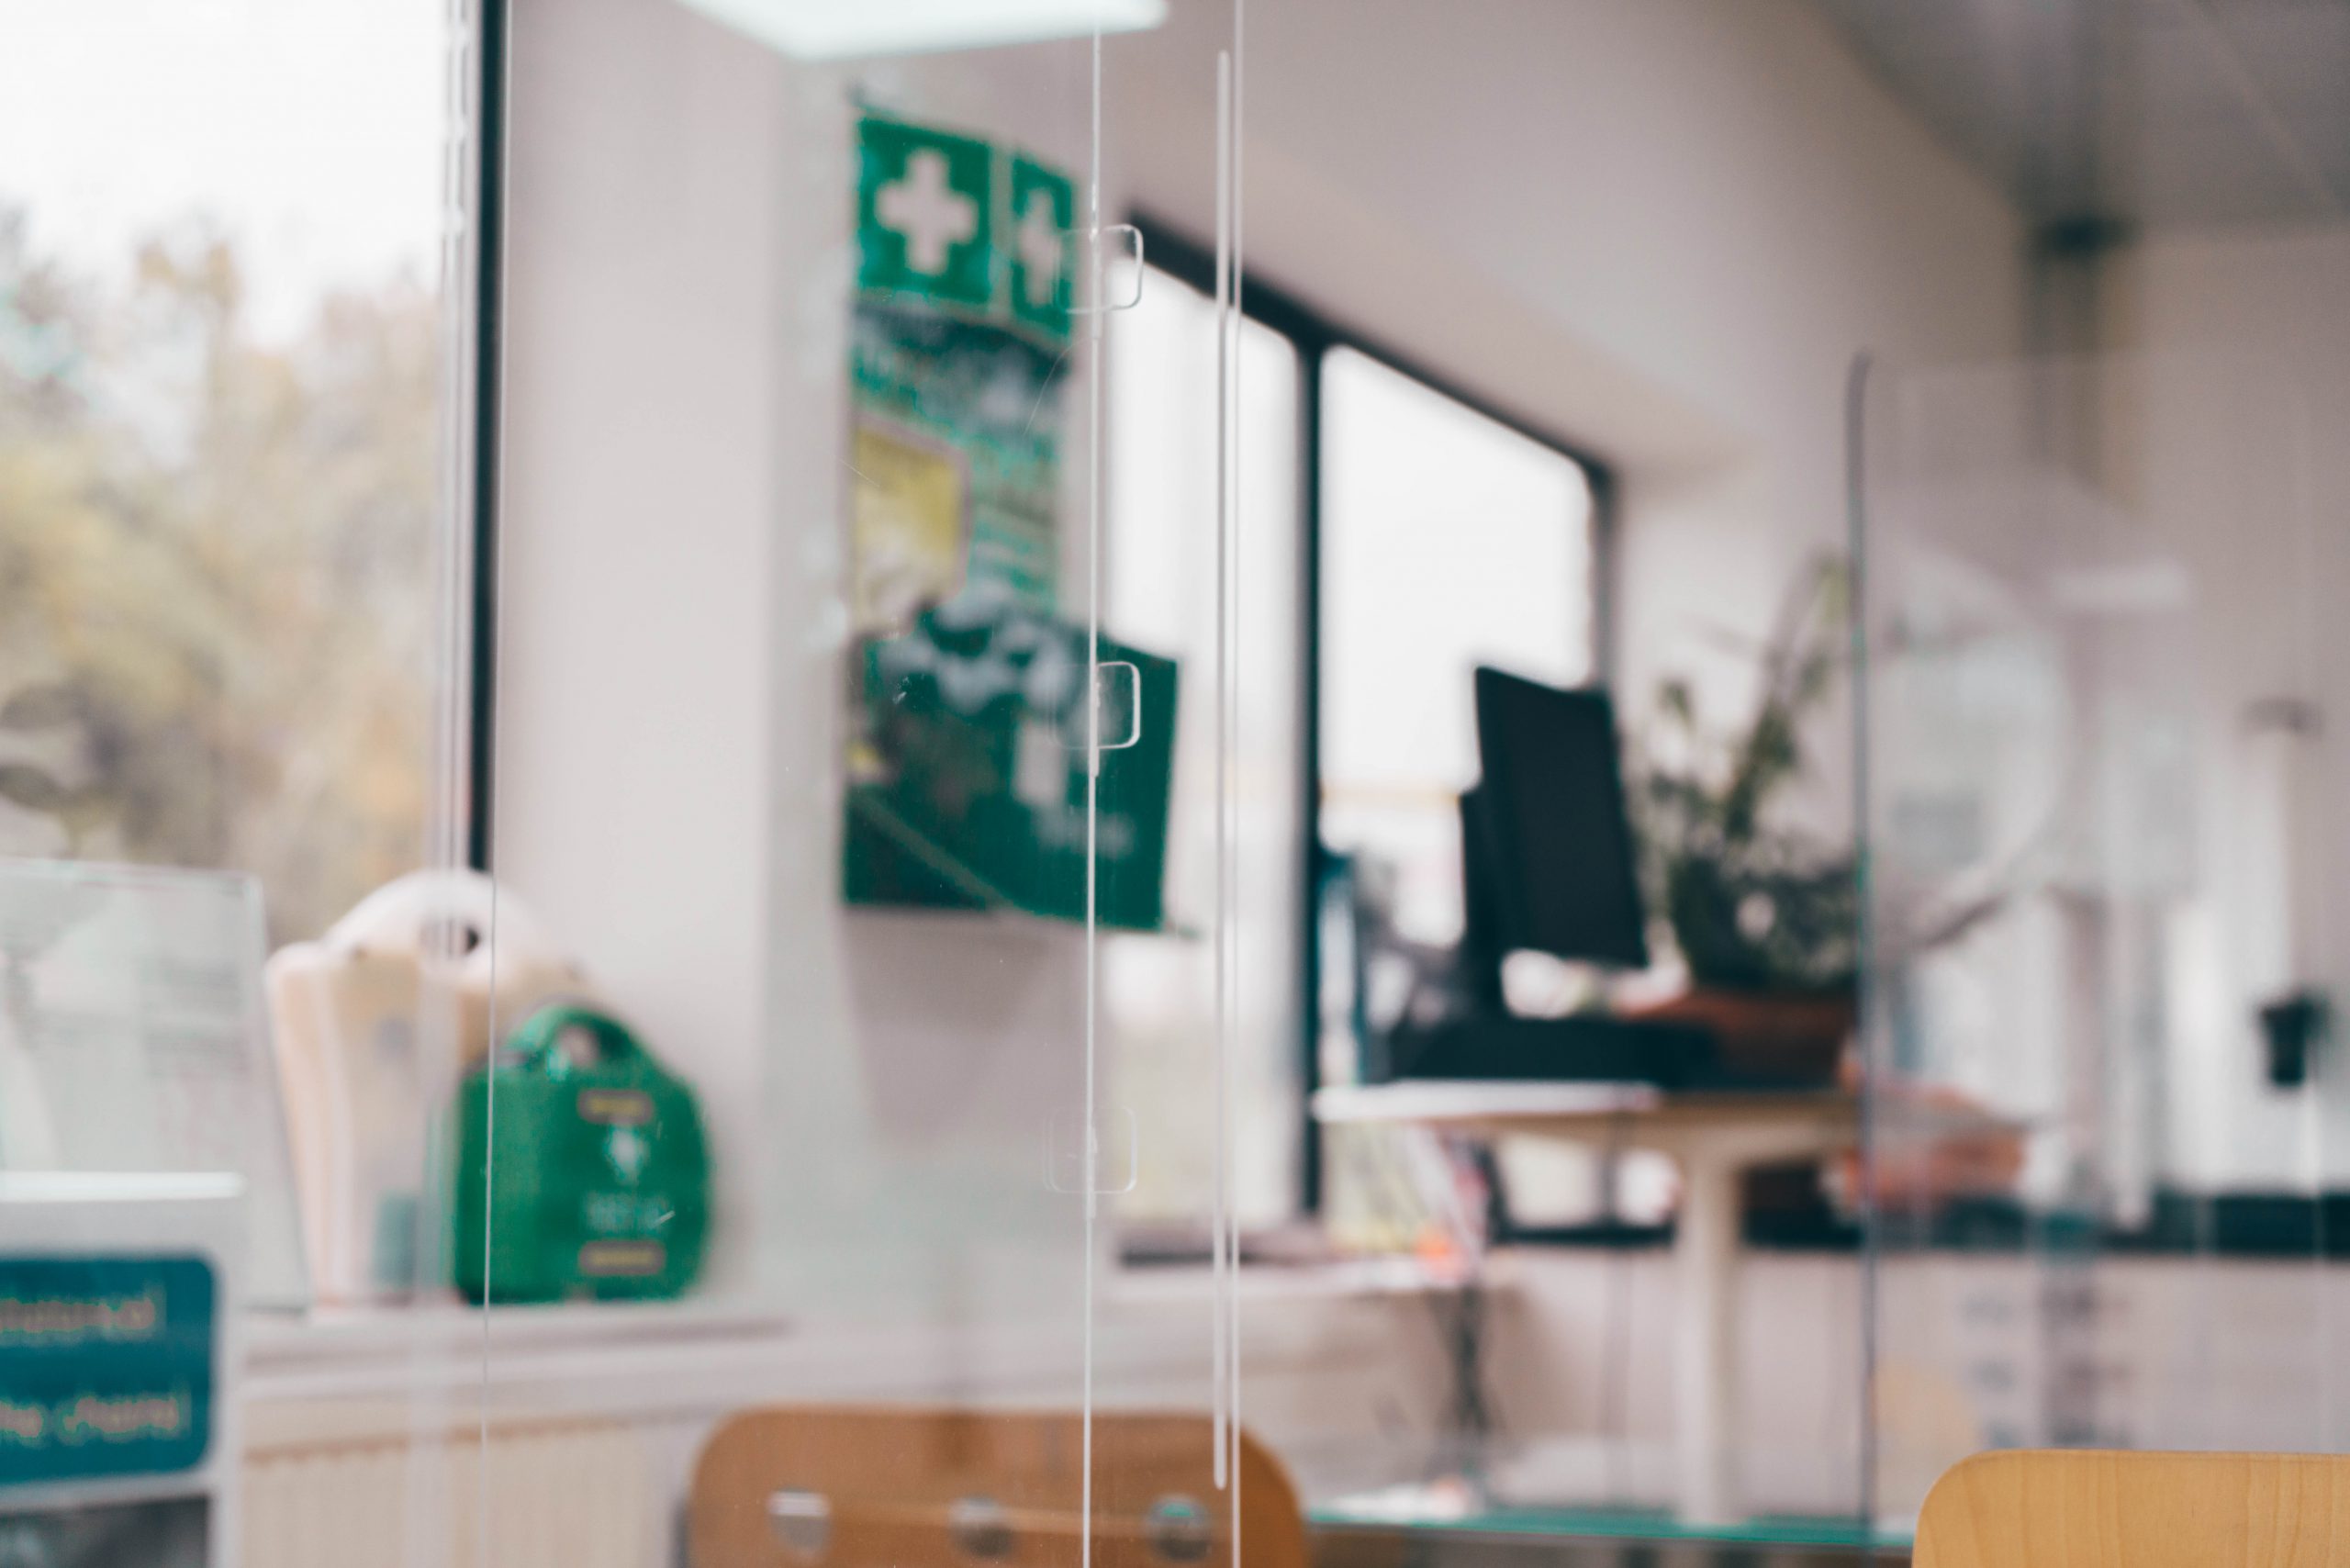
1713 1138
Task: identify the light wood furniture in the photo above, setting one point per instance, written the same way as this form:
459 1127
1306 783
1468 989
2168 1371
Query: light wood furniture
2082 1508
1713 1138
878 1487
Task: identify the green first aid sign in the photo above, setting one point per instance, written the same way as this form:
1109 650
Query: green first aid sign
925 206
1043 207
957 221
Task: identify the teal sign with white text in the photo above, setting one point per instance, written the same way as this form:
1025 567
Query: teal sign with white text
106 1367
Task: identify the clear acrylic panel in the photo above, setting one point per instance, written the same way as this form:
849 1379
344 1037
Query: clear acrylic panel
864 755
242 974
2100 947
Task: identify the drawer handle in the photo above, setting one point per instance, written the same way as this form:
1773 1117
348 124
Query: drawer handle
802 1521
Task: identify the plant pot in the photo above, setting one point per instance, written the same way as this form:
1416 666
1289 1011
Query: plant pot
1788 1039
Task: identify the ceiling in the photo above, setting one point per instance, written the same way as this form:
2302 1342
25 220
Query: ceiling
2150 113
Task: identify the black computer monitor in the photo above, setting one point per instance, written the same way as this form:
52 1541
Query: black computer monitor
1484 925
1546 841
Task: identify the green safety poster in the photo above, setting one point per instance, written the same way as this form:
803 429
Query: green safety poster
980 715
967 769
957 362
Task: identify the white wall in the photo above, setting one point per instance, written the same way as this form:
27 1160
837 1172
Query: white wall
1660 228
636 537
2239 344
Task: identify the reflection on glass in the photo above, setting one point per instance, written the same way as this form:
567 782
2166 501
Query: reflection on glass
2088 798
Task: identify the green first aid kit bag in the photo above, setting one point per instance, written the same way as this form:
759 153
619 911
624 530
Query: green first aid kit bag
599 1187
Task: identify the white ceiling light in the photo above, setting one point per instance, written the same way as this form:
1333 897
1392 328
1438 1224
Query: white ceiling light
837 29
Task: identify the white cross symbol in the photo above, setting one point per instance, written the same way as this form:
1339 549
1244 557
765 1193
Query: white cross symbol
1040 248
928 210
626 1150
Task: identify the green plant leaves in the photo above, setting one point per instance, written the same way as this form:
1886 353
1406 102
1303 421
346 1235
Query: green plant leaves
1714 857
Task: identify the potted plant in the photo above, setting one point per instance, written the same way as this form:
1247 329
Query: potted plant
1764 909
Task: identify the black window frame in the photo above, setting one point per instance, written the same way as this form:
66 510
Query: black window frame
488 279
1313 334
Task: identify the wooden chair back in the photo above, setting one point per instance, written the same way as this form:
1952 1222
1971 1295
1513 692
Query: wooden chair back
879 1488
2085 1508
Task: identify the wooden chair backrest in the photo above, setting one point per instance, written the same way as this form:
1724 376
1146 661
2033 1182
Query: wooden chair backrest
2085 1508
882 1487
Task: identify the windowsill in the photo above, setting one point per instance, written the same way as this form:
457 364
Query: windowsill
1336 1280
276 1341
395 1351
398 1350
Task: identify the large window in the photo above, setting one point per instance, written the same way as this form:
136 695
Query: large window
1393 538
223 395
1448 541
1161 593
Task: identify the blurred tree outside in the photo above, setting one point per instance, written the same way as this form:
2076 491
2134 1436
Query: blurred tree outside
216 569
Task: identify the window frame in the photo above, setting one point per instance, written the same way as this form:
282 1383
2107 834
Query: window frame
1313 334
485 276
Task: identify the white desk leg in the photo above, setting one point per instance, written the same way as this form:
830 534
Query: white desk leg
1705 1248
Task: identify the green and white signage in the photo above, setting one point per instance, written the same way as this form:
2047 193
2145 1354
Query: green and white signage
964 225
1043 207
